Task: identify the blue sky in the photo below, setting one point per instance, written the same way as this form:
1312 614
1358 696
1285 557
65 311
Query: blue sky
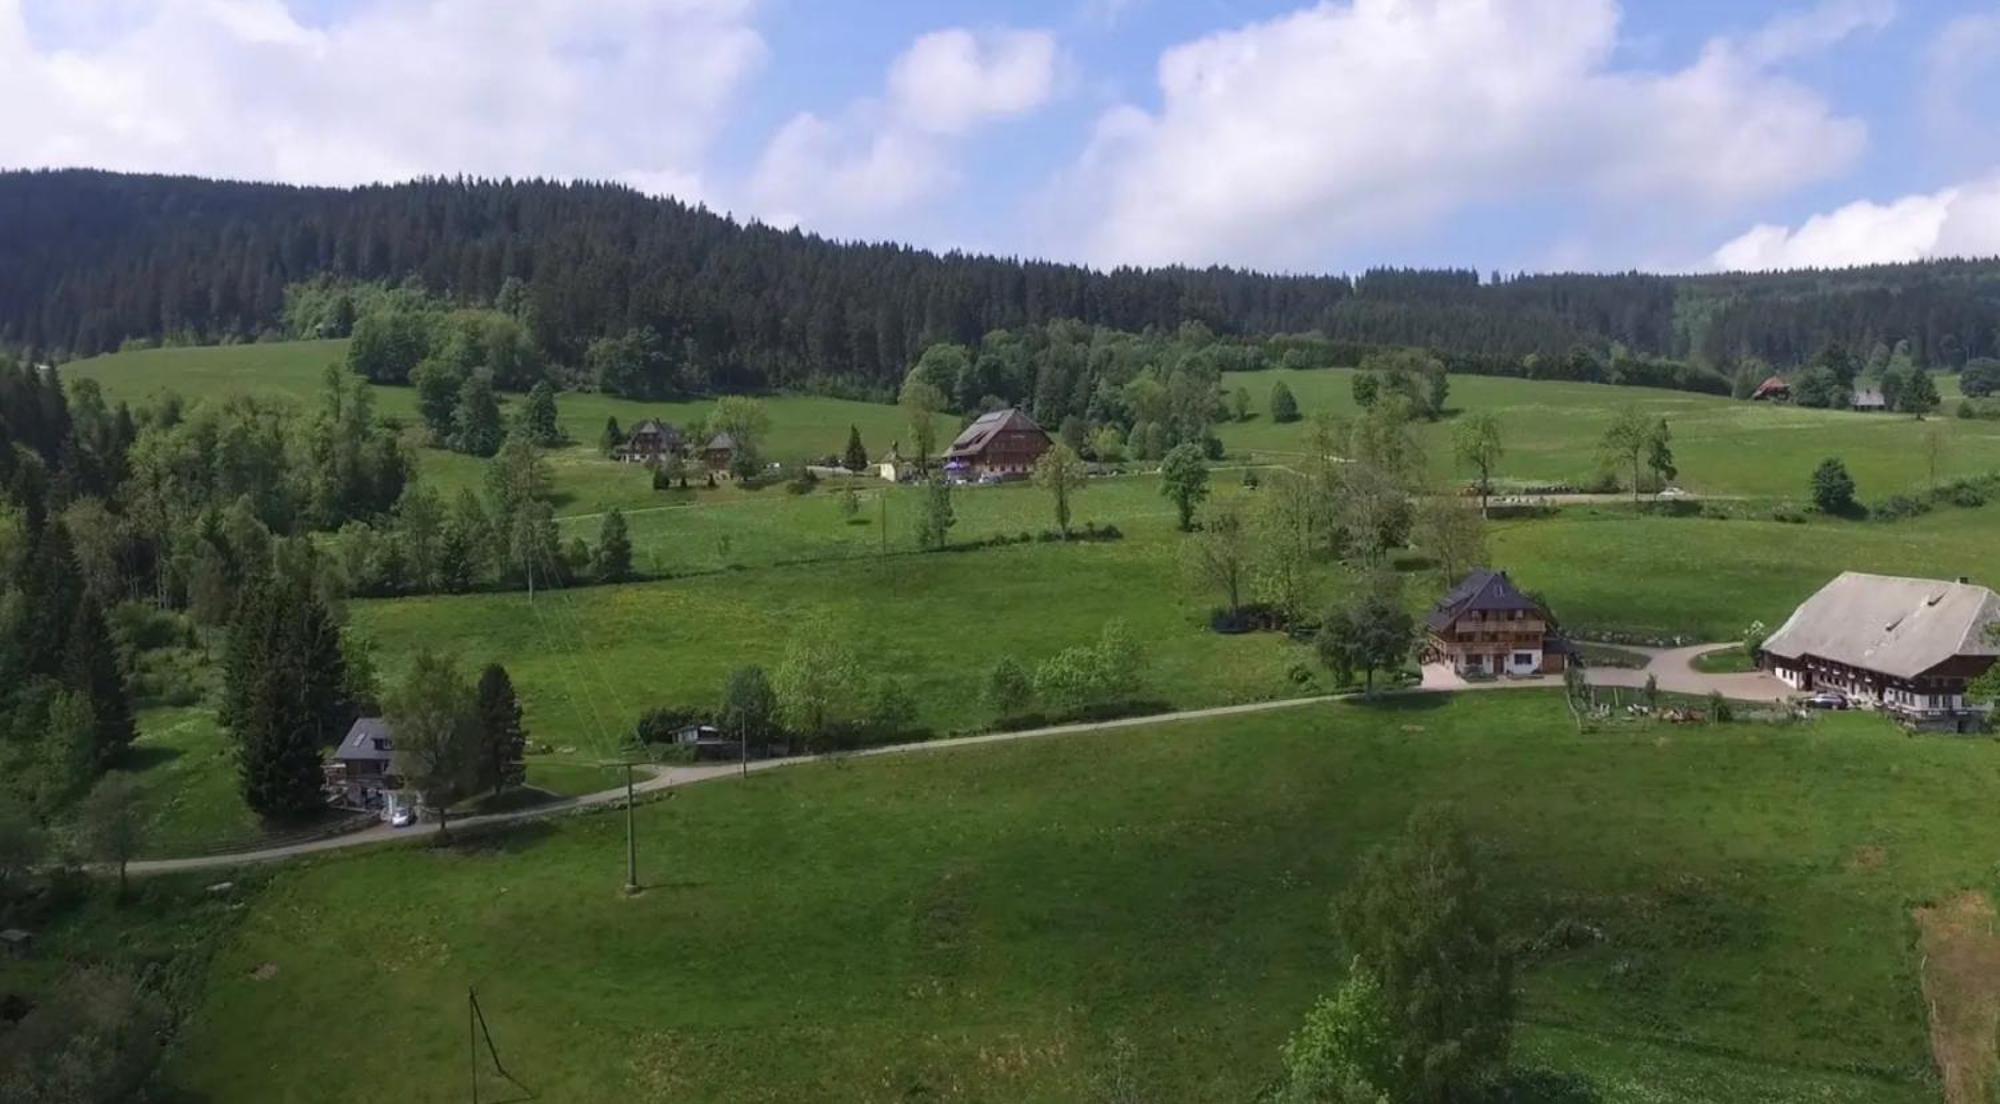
1497 134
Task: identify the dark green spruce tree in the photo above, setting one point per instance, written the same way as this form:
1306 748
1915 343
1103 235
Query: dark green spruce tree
90 668
284 696
503 740
614 548
856 457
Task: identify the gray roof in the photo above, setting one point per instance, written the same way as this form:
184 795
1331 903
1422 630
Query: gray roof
1485 591
1870 398
1888 624
721 442
367 741
985 427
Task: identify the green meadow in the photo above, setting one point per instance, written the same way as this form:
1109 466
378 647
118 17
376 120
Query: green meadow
1140 914
1722 446
802 427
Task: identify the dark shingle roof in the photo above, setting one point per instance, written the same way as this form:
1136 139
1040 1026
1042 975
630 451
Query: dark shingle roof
367 741
1484 591
721 442
983 429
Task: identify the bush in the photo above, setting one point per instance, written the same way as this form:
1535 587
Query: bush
1789 513
1604 482
1900 507
802 483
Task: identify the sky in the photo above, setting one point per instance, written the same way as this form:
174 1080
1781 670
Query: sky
1501 135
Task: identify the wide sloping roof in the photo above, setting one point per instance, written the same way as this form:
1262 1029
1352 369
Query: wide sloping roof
1484 591
360 742
983 429
654 425
721 441
1896 626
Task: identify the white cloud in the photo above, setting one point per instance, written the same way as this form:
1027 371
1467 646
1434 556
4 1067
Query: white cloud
1958 92
1334 126
884 155
626 89
1961 221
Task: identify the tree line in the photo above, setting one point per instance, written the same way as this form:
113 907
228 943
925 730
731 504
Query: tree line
692 300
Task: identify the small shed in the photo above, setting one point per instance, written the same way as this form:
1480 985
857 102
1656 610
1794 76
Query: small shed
17 942
1870 402
719 452
707 741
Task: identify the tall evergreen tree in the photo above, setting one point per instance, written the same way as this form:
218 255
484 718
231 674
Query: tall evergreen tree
503 740
856 457
91 668
538 416
477 418
614 548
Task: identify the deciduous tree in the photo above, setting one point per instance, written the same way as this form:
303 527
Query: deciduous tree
1284 408
1369 632
112 823
1418 919
1061 472
1184 480
1477 443
438 745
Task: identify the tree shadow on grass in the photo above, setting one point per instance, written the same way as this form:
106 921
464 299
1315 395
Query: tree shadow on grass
1399 702
480 840
144 757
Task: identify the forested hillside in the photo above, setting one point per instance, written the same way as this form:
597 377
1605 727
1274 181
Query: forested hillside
89 260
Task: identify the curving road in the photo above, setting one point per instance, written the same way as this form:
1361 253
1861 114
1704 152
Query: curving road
664 778
1672 666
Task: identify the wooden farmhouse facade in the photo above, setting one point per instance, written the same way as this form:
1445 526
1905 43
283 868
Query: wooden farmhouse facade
362 768
1485 627
1004 444
651 441
1905 646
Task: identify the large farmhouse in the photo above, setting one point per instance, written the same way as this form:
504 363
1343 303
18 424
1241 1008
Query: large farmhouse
1002 445
1907 646
651 441
1486 626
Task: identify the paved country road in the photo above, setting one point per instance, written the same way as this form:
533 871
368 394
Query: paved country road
665 778
1671 665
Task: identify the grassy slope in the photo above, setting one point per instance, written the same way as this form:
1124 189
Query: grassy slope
1709 578
1722 446
801 426
983 924
588 661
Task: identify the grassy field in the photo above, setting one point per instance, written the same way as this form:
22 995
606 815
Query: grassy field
1003 923
1707 579
186 769
588 661
802 427
1722 446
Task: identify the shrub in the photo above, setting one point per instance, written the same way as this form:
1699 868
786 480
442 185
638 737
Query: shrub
1832 487
1718 707
1900 507
1789 513
802 483
1008 689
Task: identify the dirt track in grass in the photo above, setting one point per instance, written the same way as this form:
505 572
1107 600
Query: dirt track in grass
1961 978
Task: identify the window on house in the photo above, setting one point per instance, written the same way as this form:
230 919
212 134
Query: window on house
1523 659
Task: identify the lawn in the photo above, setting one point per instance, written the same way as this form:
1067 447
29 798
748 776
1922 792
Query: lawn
704 529
802 427
1722 446
186 769
1043 920
587 661
1707 579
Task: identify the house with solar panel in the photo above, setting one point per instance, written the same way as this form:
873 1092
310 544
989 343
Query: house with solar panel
361 771
997 447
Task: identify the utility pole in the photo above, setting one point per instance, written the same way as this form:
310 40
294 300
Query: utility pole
631 839
743 746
